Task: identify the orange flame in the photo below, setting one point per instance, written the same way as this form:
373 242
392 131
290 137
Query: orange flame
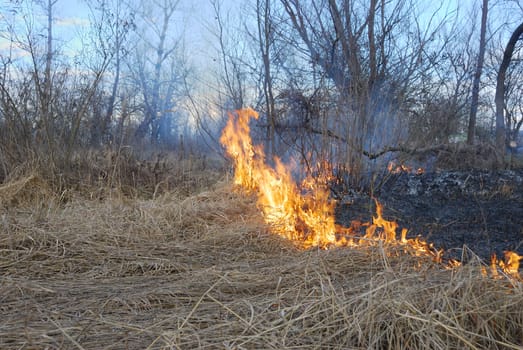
509 265
394 168
299 216
305 213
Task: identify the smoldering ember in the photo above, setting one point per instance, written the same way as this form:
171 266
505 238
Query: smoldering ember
326 174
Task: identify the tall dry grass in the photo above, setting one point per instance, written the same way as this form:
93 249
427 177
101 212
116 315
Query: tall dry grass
101 174
198 269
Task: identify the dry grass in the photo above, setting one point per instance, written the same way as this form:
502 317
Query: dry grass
186 271
104 174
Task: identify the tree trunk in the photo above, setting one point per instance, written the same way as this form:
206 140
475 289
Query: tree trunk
500 91
112 98
477 76
372 45
264 38
153 95
46 94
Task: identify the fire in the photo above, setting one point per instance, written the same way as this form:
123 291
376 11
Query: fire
509 265
394 168
302 213
305 214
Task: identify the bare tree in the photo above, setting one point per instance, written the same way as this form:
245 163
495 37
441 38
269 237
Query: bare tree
477 75
374 65
45 88
514 99
158 69
230 51
112 22
54 99
265 41
500 90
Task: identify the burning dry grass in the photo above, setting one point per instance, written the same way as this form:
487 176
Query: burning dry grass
200 271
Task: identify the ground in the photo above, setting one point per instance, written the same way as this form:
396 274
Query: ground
200 270
477 209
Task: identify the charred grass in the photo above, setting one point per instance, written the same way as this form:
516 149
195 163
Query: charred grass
193 266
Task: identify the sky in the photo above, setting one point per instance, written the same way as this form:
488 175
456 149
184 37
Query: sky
72 18
194 19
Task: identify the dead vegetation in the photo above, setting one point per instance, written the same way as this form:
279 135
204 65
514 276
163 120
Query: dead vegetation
101 174
198 269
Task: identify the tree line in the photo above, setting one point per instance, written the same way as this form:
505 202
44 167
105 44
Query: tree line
348 81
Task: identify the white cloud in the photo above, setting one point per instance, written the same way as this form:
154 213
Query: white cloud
72 21
8 48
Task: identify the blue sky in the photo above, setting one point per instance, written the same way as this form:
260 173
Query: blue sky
71 19
188 19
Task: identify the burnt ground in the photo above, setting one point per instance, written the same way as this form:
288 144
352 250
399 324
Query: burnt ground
478 209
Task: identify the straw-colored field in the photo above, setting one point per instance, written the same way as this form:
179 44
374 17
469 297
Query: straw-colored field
200 270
